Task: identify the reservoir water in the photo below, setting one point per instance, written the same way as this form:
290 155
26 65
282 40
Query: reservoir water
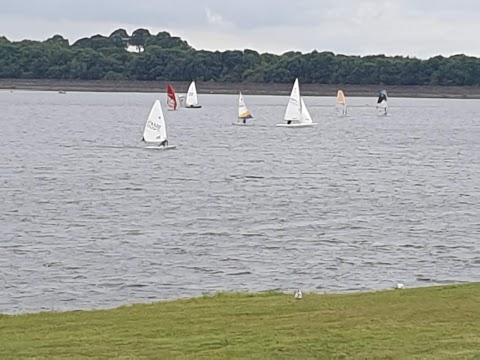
91 219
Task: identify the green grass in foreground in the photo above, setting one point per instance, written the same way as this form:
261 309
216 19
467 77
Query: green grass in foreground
421 323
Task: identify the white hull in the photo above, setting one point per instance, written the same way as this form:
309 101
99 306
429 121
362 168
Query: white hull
296 125
156 147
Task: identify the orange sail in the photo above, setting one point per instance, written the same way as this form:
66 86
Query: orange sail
171 98
341 103
340 97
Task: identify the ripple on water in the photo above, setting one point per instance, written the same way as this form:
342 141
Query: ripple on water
90 220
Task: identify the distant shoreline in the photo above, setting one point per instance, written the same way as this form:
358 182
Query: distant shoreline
454 92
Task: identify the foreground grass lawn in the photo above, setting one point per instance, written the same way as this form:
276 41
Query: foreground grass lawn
422 323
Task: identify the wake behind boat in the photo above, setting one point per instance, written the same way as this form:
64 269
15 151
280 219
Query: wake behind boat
155 133
243 112
297 114
191 101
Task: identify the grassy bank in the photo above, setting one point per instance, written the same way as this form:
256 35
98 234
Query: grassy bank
460 92
423 323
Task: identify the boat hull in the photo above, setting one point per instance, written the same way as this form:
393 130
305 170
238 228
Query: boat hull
194 107
156 147
296 125
242 124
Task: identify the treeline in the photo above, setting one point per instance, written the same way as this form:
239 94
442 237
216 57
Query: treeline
163 57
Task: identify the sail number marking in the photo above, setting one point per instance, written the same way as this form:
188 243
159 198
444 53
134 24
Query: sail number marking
153 126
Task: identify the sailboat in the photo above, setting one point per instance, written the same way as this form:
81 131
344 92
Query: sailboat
172 100
382 103
341 103
191 101
243 112
155 130
297 114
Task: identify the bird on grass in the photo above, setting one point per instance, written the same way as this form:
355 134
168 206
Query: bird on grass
298 294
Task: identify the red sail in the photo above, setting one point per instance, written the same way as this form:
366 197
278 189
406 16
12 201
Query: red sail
172 98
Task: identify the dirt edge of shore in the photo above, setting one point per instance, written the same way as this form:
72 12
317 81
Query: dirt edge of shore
459 92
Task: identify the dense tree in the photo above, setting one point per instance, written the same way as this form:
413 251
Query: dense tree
165 41
164 57
139 38
120 32
57 40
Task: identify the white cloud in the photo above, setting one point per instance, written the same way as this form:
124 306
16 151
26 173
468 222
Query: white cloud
392 27
214 19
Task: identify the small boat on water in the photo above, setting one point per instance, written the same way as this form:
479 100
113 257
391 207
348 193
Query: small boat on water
172 99
155 132
191 100
382 103
297 114
243 112
341 103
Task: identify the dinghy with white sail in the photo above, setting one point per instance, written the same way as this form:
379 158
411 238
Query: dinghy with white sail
191 101
243 112
382 103
155 133
341 103
297 114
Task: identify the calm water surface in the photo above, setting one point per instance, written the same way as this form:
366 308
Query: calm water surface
91 219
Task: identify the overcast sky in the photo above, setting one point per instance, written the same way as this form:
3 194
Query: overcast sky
421 28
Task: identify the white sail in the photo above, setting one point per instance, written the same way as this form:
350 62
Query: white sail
297 114
243 112
192 98
383 104
382 107
305 118
155 130
294 111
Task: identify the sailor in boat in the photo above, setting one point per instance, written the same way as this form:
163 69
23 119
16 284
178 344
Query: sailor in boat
289 122
164 143
244 120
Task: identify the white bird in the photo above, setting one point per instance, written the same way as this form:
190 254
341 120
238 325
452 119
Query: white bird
298 294
400 286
